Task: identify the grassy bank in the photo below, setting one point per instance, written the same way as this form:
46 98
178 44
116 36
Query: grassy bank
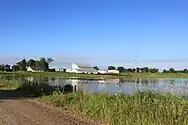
141 108
118 109
93 76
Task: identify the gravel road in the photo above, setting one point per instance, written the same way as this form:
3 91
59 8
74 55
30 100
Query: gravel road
25 112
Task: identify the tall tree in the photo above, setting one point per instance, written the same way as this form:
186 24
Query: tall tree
96 67
153 70
111 67
121 69
130 70
43 64
7 68
2 67
49 60
185 71
22 64
137 69
31 62
146 69
165 71
172 70
134 70
15 68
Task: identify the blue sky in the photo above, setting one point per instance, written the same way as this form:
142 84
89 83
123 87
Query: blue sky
103 32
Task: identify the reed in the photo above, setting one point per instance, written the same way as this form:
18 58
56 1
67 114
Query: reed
146 108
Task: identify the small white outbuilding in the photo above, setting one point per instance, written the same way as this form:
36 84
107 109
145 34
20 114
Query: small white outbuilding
114 71
34 69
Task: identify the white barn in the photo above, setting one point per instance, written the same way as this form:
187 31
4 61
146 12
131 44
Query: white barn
114 71
82 68
102 71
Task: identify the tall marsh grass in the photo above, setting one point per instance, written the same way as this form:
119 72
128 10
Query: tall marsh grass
10 84
146 108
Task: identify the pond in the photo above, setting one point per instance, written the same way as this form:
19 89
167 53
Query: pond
172 85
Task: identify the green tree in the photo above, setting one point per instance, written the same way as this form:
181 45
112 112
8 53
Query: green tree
142 70
137 69
134 70
172 70
31 62
146 69
185 71
15 68
96 67
130 70
179 71
49 60
153 70
121 69
111 67
165 71
7 68
43 64
22 64
2 67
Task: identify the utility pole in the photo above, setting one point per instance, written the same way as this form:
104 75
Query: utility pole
135 62
136 65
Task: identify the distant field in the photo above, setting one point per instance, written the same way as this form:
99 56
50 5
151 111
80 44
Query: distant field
121 75
119 109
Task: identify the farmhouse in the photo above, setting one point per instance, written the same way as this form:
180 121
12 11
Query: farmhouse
102 71
34 69
82 68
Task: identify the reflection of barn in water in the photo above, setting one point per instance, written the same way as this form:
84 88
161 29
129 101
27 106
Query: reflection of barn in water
65 85
73 84
79 84
108 81
173 85
30 78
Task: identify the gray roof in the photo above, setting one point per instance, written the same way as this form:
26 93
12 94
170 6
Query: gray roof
83 65
87 69
37 68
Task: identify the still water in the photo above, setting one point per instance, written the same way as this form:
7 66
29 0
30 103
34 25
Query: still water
172 85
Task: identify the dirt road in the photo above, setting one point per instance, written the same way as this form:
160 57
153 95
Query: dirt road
25 112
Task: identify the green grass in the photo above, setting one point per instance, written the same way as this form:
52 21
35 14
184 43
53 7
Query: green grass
70 75
10 84
141 108
93 76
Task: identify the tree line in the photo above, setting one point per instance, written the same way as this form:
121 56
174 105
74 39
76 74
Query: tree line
42 63
143 70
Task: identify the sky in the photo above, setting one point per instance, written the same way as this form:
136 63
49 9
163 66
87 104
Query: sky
98 32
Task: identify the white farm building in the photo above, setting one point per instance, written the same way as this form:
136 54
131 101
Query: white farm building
102 71
34 69
113 71
82 68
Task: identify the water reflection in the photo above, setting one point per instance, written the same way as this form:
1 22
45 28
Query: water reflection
177 86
